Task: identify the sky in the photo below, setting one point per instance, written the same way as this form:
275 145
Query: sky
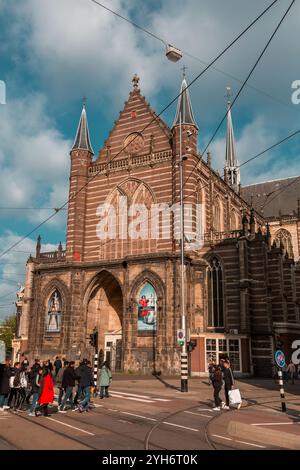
55 52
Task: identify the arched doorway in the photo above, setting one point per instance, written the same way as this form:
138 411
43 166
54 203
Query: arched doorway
105 312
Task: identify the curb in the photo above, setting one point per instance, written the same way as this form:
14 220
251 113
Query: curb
280 439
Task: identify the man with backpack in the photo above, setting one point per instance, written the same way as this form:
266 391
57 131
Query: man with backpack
68 384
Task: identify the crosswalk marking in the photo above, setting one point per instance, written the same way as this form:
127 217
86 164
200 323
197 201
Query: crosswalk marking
132 398
146 397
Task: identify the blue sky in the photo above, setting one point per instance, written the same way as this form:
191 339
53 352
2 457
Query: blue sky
54 52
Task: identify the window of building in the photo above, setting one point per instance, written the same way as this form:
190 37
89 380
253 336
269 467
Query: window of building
54 312
217 216
285 238
217 349
215 295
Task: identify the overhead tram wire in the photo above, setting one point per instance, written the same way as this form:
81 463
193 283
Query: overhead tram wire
241 88
152 120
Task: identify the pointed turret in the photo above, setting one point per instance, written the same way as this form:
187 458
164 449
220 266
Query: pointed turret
184 107
231 169
82 139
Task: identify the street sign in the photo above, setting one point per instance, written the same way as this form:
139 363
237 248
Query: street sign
180 337
280 359
2 352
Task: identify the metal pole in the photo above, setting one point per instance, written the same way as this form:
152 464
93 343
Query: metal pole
183 357
283 405
96 366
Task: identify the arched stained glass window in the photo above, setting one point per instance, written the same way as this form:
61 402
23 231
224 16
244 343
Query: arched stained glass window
54 312
215 295
285 238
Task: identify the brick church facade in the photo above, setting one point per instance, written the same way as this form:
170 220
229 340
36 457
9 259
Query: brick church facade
242 290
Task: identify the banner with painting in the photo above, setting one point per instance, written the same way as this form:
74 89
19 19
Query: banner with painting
147 308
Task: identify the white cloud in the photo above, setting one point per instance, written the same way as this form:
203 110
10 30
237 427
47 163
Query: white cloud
34 160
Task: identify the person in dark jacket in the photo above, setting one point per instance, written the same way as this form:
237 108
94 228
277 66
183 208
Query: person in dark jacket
85 383
228 382
217 382
31 377
57 365
5 374
68 384
58 382
35 388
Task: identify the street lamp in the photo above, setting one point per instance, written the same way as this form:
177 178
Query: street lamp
183 356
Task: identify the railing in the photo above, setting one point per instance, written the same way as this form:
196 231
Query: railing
52 256
218 236
129 162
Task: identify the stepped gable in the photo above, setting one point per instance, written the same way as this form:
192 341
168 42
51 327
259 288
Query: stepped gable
136 114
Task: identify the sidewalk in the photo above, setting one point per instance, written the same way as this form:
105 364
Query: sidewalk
264 425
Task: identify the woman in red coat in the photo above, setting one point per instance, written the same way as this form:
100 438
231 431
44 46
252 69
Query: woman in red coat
46 393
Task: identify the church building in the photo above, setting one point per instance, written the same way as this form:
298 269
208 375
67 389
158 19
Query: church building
120 270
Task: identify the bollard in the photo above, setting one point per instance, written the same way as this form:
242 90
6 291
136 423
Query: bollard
283 405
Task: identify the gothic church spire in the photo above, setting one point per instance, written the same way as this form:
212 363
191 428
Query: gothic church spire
231 170
82 139
184 106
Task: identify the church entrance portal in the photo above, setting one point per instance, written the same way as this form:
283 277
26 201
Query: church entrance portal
105 312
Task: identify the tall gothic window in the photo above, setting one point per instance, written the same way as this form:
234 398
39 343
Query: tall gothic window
217 216
285 238
215 294
54 312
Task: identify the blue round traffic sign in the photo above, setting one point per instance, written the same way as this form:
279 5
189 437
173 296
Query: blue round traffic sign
280 359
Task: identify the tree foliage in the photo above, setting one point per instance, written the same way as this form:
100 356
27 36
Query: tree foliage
7 331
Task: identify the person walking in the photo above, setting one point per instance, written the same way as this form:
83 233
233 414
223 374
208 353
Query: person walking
57 365
68 384
12 399
85 383
20 383
217 383
58 382
228 383
46 393
5 374
105 380
291 371
35 388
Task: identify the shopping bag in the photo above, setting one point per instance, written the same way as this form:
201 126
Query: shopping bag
235 397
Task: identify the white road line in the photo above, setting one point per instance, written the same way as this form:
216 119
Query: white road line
222 437
69 426
270 424
139 396
250 444
130 394
179 426
138 416
160 399
97 405
204 409
132 398
197 414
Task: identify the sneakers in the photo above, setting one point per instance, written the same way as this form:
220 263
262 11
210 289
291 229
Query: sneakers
76 408
31 414
61 410
216 408
239 405
225 407
5 407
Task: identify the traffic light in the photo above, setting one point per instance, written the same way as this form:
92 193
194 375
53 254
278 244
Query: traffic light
94 339
191 345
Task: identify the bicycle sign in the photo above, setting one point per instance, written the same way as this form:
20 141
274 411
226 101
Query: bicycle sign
280 359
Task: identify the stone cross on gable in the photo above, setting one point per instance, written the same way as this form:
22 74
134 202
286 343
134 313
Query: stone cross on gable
135 81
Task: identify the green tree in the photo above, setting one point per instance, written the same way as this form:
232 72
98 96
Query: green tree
7 331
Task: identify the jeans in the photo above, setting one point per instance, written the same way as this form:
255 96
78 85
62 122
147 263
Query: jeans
68 395
35 397
226 390
217 389
86 397
3 400
103 390
60 395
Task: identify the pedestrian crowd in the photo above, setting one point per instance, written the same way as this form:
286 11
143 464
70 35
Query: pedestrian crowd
24 388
